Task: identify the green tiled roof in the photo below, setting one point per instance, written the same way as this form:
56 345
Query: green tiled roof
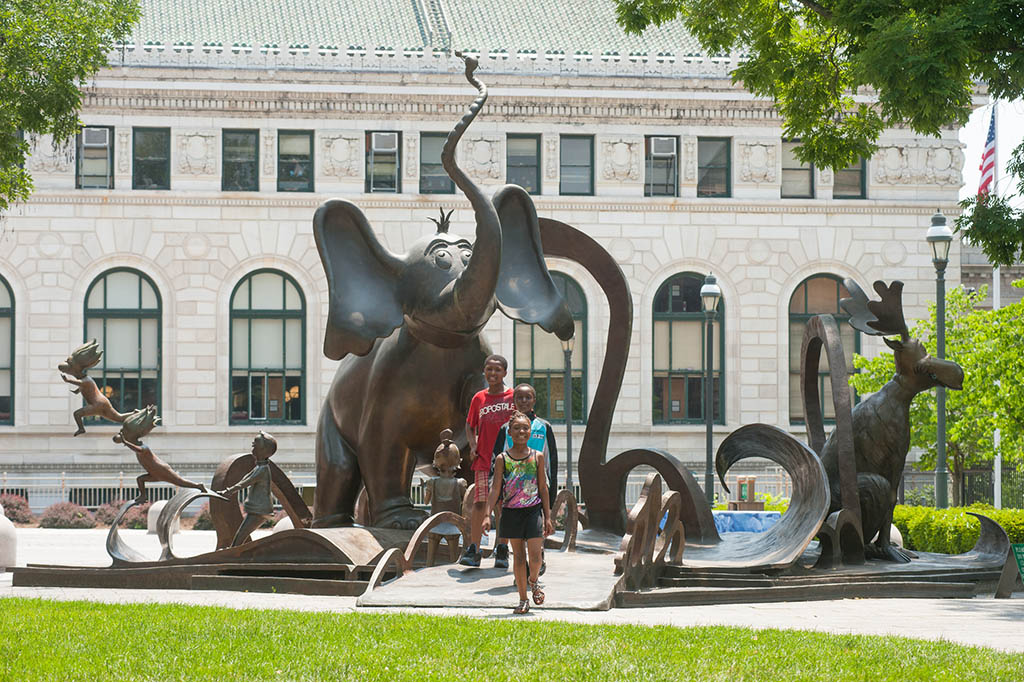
569 26
367 23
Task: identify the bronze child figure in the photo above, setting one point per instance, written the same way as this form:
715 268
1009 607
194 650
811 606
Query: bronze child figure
259 506
444 492
136 425
77 365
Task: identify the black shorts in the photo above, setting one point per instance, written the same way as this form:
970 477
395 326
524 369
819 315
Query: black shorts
522 522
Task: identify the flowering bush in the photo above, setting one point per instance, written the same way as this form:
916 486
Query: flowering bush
106 513
136 518
204 522
66 515
16 508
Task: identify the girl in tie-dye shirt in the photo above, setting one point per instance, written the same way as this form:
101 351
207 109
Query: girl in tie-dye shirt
526 514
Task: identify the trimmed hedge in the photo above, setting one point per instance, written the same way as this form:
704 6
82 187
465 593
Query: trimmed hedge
952 530
66 515
16 508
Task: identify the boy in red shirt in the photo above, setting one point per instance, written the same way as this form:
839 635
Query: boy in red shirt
488 412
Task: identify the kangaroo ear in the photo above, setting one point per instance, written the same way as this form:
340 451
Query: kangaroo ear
362 279
525 290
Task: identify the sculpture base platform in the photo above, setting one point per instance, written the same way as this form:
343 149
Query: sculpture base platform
576 581
298 560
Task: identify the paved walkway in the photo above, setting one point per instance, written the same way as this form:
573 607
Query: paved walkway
980 621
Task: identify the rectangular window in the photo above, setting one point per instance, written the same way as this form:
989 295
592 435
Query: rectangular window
797 176
295 161
433 179
577 164
383 161
522 162
95 156
241 154
713 172
661 175
850 182
151 158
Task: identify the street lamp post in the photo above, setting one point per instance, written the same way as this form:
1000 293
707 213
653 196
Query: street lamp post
939 238
567 345
709 294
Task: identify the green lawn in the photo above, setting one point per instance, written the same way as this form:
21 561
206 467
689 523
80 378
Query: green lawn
43 640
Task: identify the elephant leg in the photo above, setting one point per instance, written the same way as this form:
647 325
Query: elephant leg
388 487
337 475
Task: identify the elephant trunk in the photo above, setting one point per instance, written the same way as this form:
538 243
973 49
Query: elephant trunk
474 290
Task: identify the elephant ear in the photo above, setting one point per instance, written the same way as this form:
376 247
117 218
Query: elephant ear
525 290
362 278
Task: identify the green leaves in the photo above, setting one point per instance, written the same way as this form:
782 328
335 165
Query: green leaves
919 59
992 222
987 345
48 50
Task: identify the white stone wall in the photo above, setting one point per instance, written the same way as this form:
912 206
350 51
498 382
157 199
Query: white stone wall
196 242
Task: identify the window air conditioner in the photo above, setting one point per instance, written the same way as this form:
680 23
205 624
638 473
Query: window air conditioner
95 137
384 142
663 147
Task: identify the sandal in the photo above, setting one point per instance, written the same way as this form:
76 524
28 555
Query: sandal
522 608
538 594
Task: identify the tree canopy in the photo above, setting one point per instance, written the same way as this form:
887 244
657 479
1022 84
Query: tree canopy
841 71
987 346
48 49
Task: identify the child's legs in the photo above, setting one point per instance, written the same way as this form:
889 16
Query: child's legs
250 524
534 547
519 565
141 481
476 523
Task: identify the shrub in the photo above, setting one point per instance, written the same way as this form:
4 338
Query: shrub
776 503
106 513
16 508
66 515
136 517
952 531
204 522
923 495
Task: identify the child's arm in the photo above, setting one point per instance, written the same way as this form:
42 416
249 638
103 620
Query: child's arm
428 491
132 446
471 438
542 490
71 380
245 482
492 497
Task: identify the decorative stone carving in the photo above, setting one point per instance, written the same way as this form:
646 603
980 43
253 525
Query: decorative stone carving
757 162
123 159
268 154
48 159
919 164
621 160
482 157
689 164
197 153
551 154
340 155
412 146
825 176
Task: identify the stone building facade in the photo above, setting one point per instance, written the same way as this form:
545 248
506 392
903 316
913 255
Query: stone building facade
196 244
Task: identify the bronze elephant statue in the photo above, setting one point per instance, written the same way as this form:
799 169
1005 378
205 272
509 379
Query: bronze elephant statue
406 329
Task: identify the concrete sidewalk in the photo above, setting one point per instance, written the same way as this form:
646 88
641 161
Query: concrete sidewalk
981 621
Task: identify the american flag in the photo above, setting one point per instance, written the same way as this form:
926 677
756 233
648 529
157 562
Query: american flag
988 158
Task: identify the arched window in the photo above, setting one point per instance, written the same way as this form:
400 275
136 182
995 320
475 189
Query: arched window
815 295
268 342
122 313
539 359
680 330
6 354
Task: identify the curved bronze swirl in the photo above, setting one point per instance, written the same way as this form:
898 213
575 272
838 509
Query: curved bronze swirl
572 518
646 544
120 552
603 483
783 543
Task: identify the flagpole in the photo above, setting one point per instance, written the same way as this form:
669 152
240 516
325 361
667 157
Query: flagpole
997 469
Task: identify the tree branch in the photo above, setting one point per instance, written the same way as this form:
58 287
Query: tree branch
817 8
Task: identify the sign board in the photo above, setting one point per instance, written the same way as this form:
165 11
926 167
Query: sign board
1018 554
1013 571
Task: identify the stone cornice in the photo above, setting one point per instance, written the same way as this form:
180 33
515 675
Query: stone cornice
544 204
533 109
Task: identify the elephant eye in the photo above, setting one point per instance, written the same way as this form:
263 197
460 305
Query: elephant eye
443 259
466 255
